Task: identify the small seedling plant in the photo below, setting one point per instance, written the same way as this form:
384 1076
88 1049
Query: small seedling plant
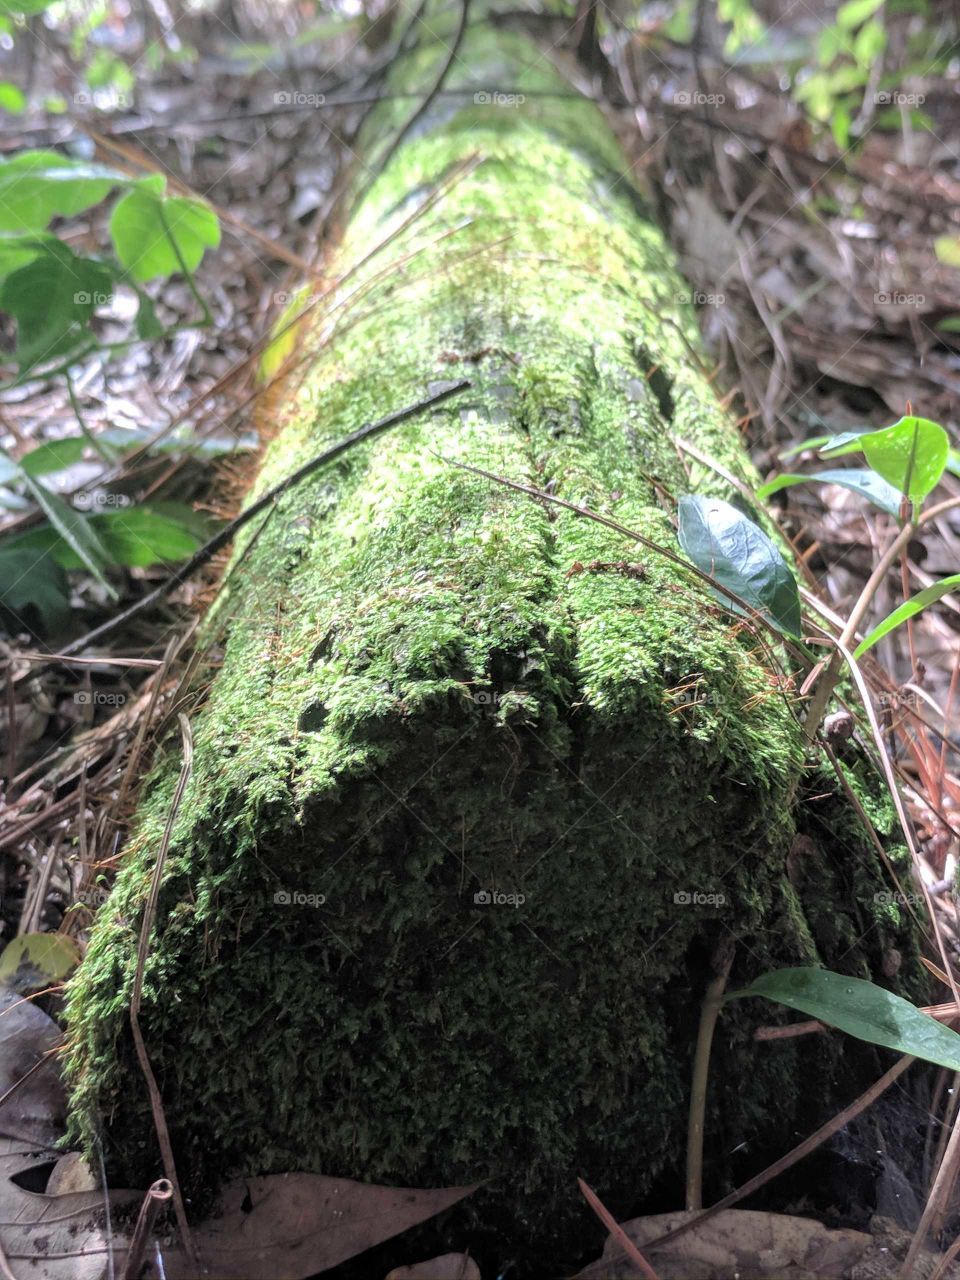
905 463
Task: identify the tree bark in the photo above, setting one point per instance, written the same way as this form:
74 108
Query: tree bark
478 790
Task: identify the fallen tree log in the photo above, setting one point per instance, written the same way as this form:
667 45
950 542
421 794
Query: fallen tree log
478 792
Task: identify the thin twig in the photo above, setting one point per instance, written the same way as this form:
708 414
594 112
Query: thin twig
157 1196
156 1102
616 1231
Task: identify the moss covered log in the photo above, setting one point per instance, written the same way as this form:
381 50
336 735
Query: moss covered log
477 792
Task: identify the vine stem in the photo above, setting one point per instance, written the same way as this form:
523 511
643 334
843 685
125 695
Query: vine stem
709 1012
828 681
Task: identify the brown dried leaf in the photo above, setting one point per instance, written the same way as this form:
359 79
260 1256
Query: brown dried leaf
449 1266
292 1225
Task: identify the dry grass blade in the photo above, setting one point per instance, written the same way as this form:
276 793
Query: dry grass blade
156 1103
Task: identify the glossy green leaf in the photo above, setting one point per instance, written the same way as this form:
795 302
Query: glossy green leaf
738 554
148 230
34 592
861 1009
861 481
911 455
953 461
909 609
35 186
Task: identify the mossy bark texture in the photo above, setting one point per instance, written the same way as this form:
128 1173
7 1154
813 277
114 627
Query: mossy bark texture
473 802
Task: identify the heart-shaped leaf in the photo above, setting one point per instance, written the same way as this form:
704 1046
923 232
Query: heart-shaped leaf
858 480
738 554
911 455
157 235
909 609
861 1009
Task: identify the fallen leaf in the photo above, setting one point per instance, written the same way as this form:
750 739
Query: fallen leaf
49 1237
35 961
292 1225
449 1266
755 1246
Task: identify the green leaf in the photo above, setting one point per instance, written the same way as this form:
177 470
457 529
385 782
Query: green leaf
866 483
75 530
17 250
909 609
140 536
35 186
147 322
131 537
12 99
853 12
947 249
26 7
52 299
145 225
846 442
33 590
124 438
911 455
953 461
739 555
55 455
861 1009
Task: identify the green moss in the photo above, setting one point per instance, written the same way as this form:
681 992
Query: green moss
429 691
